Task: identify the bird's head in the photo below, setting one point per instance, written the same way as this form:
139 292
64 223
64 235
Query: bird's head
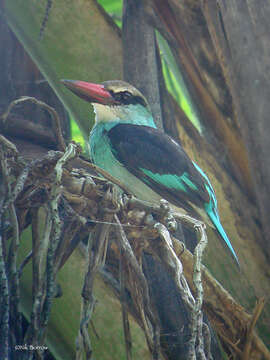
113 100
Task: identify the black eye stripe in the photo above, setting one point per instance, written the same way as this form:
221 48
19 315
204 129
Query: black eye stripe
122 96
126 98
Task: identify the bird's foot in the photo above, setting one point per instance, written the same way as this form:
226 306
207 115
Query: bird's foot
197 224
167 215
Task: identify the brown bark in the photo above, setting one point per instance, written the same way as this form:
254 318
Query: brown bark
239 30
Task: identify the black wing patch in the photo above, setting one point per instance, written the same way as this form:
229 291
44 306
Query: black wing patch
160 162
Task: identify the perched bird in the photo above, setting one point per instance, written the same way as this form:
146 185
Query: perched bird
126 143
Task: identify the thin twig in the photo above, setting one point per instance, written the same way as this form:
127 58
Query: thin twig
39 254
13 275
54 115
249 337
35 331
55 232
7 146
45 18
188 220
24 263
168 256
207 341
127 334
97 244
174 266
4 308
196 343
11 264
231 344
18 188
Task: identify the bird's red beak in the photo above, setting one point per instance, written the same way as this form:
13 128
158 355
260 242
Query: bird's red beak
90 92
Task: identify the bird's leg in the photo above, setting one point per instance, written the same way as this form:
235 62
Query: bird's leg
189 220
168 216
164 212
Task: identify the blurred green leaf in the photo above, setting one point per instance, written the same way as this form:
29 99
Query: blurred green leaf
175 82
76 134
76 44
114 9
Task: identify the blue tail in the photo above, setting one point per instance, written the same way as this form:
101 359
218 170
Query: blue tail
215 220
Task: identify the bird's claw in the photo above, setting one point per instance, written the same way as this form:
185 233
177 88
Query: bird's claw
199 225
167 215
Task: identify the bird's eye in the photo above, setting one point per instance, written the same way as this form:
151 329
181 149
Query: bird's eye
122 96
126 95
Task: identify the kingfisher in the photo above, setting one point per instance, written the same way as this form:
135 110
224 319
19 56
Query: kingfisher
127 144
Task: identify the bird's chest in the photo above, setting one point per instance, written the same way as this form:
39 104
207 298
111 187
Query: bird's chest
100 150
102 155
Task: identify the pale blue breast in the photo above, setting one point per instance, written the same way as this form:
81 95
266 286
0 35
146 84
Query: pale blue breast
102 156
100 151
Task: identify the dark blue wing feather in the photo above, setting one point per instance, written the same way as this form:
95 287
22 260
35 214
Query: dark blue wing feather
160 162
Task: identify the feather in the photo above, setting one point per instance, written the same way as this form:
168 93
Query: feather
162 164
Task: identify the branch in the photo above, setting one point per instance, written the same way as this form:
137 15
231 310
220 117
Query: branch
84 194
142 297
52 112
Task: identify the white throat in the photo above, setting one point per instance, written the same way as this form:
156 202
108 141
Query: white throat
131 114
